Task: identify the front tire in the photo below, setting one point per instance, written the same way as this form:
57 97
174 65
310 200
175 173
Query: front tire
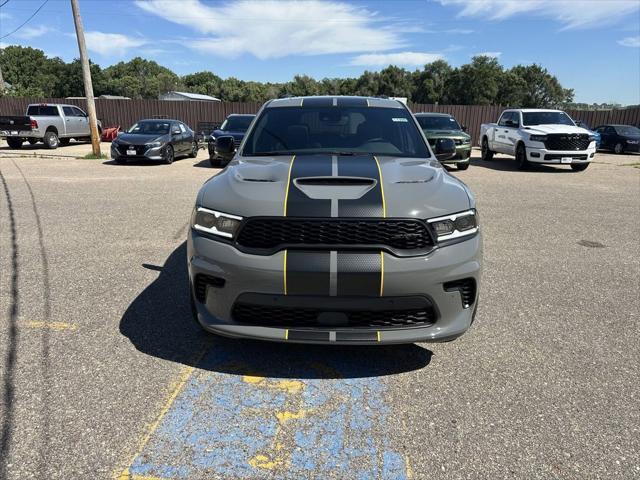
168 155
14 142
521 157
51 140
579 167
619 148
487 155
462 166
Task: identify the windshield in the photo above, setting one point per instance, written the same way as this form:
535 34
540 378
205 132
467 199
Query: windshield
150 128
236 124
337 130
627 130
546 118
438 123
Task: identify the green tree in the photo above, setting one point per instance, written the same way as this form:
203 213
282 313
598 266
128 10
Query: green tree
431 84
302 85
206 83
395 82
146 72
476 83
542 89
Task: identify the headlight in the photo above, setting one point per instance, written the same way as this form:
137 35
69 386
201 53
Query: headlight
217 223
466 140
538 138
455 226
154 145
592 138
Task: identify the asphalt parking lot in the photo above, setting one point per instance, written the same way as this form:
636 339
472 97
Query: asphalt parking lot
104 374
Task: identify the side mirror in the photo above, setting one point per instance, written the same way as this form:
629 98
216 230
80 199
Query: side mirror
225 145
175 131
464 128
445 148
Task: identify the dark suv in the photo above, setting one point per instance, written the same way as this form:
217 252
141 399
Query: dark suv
235 125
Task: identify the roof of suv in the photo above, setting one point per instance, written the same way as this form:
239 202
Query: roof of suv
432 114
334 101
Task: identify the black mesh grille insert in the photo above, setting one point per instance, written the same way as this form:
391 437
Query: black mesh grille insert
272 233
563 141
467 289
201 282
266 315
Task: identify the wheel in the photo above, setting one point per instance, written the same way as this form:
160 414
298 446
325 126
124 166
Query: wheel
194 150
51 140
32 141
579 167
14 142
64 141
462 165
521 157
168 155
487 155
619 148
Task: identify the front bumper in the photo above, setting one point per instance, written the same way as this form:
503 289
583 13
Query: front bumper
245 274
463 152
542 155
155 153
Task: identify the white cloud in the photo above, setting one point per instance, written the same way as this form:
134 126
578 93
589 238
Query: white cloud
488 54
630 42
111 44
33 32
396 58
570 13
275 29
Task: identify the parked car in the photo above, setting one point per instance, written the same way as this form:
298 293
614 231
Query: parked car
538 136
51 123
442 125
155 139
619 138
335 223
234 125
585 125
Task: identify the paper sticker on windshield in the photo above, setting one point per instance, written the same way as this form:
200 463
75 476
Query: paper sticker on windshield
401 119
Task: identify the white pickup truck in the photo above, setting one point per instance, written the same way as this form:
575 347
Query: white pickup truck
538 136
51 123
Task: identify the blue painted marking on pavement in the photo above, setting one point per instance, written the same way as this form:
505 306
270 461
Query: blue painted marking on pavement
233 420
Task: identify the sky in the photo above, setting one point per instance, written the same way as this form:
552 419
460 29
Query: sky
592 46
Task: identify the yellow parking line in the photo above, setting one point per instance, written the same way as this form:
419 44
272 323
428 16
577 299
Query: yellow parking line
58 326
178 385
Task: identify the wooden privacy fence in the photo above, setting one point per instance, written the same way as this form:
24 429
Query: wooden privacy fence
200 115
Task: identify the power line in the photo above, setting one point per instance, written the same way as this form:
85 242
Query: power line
26 21
4 3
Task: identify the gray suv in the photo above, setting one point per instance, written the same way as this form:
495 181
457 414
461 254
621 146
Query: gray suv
335 223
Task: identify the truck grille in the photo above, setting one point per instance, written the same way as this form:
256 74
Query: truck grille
266 315
275 233
563 141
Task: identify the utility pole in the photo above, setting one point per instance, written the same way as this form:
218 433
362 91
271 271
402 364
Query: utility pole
86 74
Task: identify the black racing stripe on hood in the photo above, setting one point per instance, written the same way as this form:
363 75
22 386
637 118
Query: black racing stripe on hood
359 274
307 272
299 204
371 204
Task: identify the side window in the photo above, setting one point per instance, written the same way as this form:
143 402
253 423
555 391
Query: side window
611 131
182 129
503 118
600 129
78 113
68 111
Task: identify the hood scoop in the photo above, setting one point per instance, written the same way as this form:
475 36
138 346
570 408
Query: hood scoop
338 188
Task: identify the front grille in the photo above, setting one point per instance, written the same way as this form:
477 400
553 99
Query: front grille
432 142
275 233
284 317
563 141
139 149
467 289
